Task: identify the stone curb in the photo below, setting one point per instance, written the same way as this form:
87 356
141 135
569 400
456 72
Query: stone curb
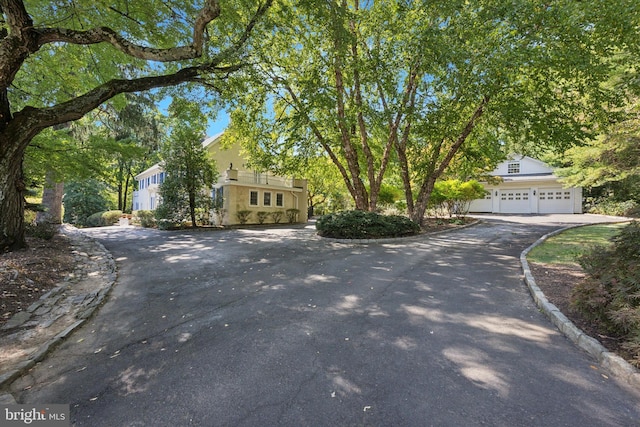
101 264
611 362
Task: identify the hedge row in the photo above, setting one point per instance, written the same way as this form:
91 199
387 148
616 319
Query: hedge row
365 225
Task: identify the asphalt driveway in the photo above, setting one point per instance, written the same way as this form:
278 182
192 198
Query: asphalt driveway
279 327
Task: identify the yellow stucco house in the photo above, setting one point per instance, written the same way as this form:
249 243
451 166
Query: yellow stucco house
244 195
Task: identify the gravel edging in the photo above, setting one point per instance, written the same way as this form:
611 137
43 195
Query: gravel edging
613 363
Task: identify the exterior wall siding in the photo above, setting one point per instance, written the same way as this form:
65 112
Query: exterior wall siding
529 186
236 185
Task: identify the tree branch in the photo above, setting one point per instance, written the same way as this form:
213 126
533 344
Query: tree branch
208 13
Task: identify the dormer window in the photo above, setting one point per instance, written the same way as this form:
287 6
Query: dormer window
513 167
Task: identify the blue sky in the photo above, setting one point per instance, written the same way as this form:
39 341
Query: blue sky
219 124
214 126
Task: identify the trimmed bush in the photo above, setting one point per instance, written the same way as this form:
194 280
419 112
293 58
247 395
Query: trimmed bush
243 216
365 225
610 295
167 224
276 216
292 215
262 216
146 219
101 219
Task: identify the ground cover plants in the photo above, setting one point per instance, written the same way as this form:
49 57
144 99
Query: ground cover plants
592 274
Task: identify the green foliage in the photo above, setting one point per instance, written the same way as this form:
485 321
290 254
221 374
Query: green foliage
365 225
292 215
389 194
84 198
190 171
455 196
145 218
42 230
29 216
438 82
610 294
628 208
262 216
243 216
166 224
103 219
175 202
276 216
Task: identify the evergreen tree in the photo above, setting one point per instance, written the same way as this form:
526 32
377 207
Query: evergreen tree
190 173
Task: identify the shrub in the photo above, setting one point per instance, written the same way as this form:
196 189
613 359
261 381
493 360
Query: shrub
42 230
243 216
292 215
365 225
94 220
167 224
276 216
146 219
83 198
262 216
610 294
455 196
615 208
101 219
111 217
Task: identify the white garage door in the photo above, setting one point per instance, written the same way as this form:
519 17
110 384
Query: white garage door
515 201
555 200
482 205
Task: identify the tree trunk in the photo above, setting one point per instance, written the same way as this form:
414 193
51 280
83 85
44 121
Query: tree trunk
125 208
420 207
12 202
52 201
192 208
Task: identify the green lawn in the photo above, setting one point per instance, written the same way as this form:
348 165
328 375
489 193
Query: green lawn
566 247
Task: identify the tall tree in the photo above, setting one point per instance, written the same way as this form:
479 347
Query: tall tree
611 160
95 51
131 142
429 81
190 173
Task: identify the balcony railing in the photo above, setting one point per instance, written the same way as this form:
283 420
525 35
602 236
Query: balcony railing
259 178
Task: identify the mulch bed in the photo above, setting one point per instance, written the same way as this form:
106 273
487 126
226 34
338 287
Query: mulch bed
27 274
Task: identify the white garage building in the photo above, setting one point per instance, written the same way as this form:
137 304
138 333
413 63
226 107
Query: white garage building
528 186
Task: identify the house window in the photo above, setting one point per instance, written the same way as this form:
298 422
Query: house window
148 181
266 198
217 194
152 203
162 175
154 179
513 167
141 184
253 198
279 200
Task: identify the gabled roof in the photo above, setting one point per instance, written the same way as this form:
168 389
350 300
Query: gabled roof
212 140
205 143
155 168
